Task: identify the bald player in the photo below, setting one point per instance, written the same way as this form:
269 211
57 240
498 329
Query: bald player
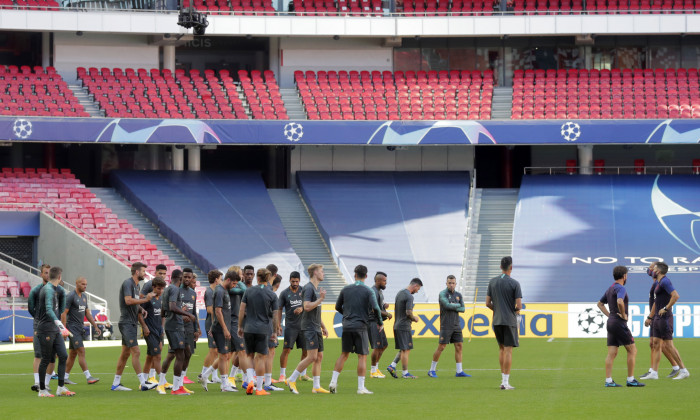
72 317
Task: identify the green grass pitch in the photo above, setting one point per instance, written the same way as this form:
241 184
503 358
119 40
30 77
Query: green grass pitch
561 379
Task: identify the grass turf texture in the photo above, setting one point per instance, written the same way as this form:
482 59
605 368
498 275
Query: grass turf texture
561 379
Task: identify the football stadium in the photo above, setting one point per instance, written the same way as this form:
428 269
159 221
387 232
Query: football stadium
467 206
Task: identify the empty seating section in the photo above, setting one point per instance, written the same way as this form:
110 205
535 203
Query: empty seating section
162 94
546 7
77 207
238 225
407 224
638 94
571 230
11 287
36 91
239 7
30 4
396 95
263 95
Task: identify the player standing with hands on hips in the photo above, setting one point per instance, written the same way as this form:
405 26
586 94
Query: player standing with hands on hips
504 298
618 332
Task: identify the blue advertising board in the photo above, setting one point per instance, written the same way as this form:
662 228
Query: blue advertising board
394 133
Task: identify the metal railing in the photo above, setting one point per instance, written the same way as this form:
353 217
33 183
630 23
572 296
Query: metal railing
611 170
467 235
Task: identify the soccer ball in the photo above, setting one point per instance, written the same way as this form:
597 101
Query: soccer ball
591 321
293 131
570 131
22 128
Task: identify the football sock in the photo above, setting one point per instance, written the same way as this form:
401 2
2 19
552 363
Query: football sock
608 380
674 367
684 370
224 381
630 378
373 369
207 371
303 373
176 383
66 376
47 380
317 382
251 374
459 367
334 378
268 379
505 378
393 364
433 365
295 376
259 383
161 380
184 373
283 371
152 373
360 382
87 374
233 371
36 378
142 379
117 380
215 375
405 372
204 369
397 358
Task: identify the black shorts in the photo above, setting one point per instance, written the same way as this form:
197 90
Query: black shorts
506 335
619 334
153 344
355 342
210 341
451 336
662 327
223 346
377 339
129 335
176 340
256 343
272 342
403 340
293 336
76 342
37 345
313 340
237 343
190 341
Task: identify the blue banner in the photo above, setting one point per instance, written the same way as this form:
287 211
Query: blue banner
394 133
570 231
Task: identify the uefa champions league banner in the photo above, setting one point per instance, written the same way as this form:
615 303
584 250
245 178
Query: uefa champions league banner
594 223
393 133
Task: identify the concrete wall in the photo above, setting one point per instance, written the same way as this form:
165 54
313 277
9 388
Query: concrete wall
379 158
328 54
62 247
102 50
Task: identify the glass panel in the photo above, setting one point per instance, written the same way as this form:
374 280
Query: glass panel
665 57
406 59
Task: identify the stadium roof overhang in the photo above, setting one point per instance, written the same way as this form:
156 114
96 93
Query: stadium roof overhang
150 22
387 133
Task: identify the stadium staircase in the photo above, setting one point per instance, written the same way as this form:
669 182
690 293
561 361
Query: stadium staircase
305 238
502 103
124 210
292 101
86 100
490 239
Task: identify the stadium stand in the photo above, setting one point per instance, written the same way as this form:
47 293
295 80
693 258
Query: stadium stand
31 4
141 93
237 205
396 95
628 94
588 218
240 7
408 224
37 91
59 193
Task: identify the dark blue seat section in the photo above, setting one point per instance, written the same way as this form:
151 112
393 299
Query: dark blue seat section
407 224
217 219
571 231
